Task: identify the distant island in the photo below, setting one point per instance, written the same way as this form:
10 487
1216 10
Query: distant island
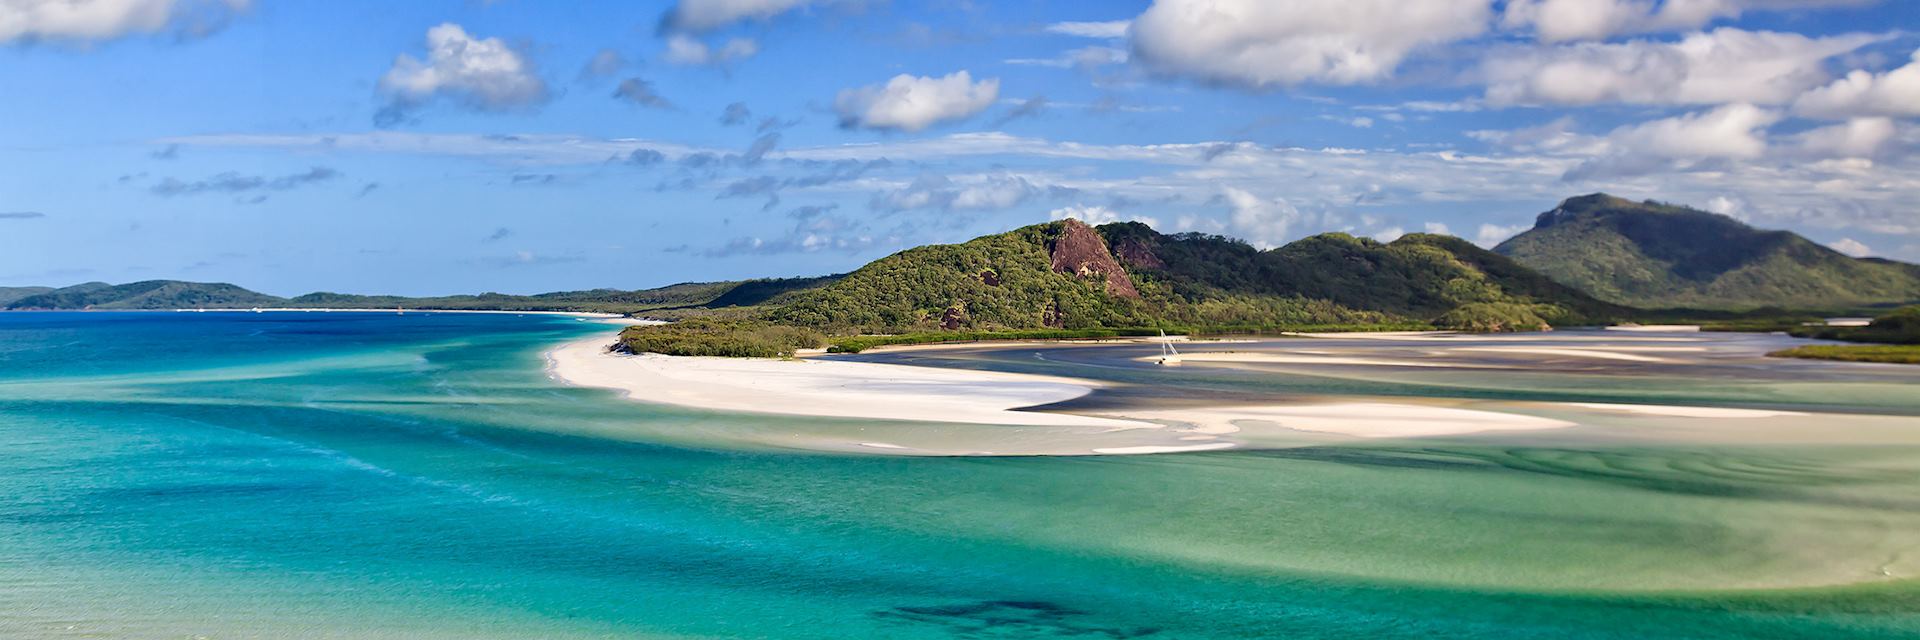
1594 259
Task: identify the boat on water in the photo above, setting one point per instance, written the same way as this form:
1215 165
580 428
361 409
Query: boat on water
1168 356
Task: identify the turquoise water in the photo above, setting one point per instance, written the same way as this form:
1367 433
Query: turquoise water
369 475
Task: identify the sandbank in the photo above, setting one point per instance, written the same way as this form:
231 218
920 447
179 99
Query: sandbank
827 388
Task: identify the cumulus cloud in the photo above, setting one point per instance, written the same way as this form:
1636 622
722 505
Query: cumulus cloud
1261 43
1718 67
1493 234
912 103
1863 93
1731 132
1098 215
479 73
100 20
707 15
1856 138
1851 247
1438 228
687 50
1108 29
1263 222
1562 20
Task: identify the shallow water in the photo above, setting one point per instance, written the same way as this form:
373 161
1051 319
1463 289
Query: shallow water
368 475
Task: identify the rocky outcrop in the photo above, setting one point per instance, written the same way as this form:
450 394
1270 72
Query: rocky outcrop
1079 250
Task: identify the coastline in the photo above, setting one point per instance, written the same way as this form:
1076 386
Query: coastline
943 411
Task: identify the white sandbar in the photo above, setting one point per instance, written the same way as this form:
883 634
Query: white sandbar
1357 419
827 388
1685 412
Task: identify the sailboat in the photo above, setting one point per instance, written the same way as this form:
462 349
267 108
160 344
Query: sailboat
1168 356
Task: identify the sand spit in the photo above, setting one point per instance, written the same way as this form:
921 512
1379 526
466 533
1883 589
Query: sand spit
827 388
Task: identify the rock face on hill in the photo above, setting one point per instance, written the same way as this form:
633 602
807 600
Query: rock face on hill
1649 254
1080 250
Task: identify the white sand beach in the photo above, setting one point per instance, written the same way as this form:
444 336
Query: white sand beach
827 388
914 394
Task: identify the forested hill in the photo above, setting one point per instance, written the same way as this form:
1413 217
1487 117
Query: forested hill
1649 254
10 294
1068 275
150 294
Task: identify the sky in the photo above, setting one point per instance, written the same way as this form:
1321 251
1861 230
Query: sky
459 146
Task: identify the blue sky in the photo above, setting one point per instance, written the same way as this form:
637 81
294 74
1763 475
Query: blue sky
449 146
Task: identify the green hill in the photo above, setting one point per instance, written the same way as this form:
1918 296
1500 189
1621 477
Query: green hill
10 294
150 294
1066 275
1654 255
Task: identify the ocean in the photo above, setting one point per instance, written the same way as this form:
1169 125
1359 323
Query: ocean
370 475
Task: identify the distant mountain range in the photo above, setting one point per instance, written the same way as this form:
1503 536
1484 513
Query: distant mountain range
174 294
1593 258
1653 255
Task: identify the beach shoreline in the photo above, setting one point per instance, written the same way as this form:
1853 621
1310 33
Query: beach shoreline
992 412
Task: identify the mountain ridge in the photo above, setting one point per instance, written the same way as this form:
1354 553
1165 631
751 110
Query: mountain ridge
1658 255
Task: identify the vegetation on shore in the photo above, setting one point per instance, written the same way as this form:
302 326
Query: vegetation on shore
859 343
1898 334
720 337
1901 326
1884 353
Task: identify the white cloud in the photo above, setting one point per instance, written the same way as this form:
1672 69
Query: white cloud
1868 201
707 15
1361 122
1438 228
1108 29
1731 132
1493 234
1083 58
96 20
1856 138
1262 43
1861 93
1260 221
983 192
1851 247
1730 207
687 50
912 103
1389 234
1718 67
1562 20
1097 215
480 73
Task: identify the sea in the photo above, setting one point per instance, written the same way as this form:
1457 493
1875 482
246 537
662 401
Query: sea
379 475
